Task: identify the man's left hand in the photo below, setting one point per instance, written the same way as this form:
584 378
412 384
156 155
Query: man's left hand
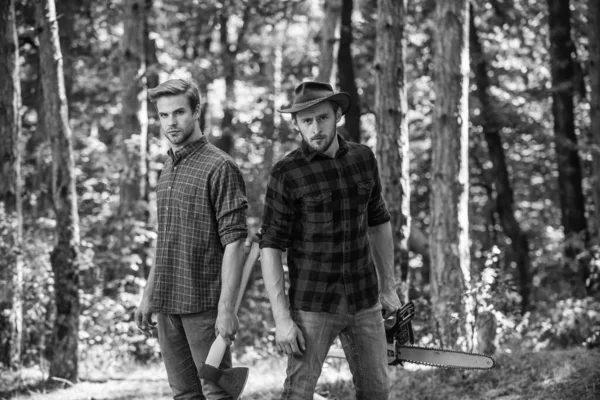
227 325
390 302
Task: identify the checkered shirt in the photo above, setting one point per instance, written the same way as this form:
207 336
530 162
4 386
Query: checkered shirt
201 208
318 208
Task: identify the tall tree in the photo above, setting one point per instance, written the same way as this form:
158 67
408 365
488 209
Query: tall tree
562 66
503 194
11 263
392 129
449 227
65 257
229 52
346 76
327 40
66 10
594 71
134 114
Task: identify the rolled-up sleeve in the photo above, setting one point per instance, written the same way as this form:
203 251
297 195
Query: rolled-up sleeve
278 213
377 209
228 195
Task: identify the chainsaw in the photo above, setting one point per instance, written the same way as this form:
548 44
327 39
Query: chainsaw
400 347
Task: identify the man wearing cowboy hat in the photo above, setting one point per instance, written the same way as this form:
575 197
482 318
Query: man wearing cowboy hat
324 206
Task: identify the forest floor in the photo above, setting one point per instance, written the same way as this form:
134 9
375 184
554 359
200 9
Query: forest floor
552 375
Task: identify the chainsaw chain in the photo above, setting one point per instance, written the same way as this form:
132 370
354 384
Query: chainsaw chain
448 351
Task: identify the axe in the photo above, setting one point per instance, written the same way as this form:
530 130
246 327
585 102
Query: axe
231 380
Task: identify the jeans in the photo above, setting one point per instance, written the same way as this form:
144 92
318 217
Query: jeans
185 340
363 338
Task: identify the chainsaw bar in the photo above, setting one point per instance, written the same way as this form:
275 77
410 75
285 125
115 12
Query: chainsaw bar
450 359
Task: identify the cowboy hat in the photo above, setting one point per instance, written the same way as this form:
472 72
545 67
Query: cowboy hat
307 94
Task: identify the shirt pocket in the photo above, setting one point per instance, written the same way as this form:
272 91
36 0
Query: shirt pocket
318 208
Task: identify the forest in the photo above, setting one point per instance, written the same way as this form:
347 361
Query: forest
484 117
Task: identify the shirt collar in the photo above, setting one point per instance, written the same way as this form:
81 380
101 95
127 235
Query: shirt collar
310 153
188 149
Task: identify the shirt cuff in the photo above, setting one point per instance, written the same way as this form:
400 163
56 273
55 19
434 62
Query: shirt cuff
380 217
233 236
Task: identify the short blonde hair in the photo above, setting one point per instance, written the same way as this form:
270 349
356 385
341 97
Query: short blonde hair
176 87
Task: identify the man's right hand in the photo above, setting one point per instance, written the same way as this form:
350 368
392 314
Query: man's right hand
289 338
143 316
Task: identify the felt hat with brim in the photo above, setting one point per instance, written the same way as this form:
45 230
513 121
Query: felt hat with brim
307 94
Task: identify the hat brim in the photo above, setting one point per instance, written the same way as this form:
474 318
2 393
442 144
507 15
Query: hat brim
342 99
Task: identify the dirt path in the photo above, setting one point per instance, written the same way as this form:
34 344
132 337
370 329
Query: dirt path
547 375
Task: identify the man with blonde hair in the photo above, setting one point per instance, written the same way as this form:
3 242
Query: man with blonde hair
193 283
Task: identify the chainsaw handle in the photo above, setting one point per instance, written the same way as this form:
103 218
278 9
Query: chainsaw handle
400 318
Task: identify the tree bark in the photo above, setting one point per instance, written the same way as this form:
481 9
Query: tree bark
11 262
449 238
569 168
346 73
392 129
152 70
594 72
327 41
65 10
134 114
229 54
504 198
65 257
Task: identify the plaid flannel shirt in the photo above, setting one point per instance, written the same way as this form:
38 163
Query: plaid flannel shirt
201 208
318 208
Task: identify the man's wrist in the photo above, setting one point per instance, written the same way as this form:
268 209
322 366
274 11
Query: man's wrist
282 317
225 306
388 287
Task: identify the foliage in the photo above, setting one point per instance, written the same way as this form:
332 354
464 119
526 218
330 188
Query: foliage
548 375
118 252
108 336
38 294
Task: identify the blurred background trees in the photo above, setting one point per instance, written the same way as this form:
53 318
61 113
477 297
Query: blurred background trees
509 95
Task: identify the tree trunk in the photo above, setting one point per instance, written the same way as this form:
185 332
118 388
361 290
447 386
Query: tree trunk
327 41
228 59
152 70
594 72
449 229
134 131
11 261
66 10
569 168
504 197
65 259
346 73
392 128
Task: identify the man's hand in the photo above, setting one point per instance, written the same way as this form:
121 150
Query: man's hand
289 338
226 325
390 302
143 316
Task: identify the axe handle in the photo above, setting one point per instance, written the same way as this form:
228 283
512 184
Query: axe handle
219 346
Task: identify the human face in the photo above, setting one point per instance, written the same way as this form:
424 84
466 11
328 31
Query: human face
317 127
178 121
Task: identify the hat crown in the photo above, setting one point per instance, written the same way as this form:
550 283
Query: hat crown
308 91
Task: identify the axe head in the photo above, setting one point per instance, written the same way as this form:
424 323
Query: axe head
231 380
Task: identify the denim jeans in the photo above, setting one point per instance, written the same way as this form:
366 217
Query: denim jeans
363 338
185 340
